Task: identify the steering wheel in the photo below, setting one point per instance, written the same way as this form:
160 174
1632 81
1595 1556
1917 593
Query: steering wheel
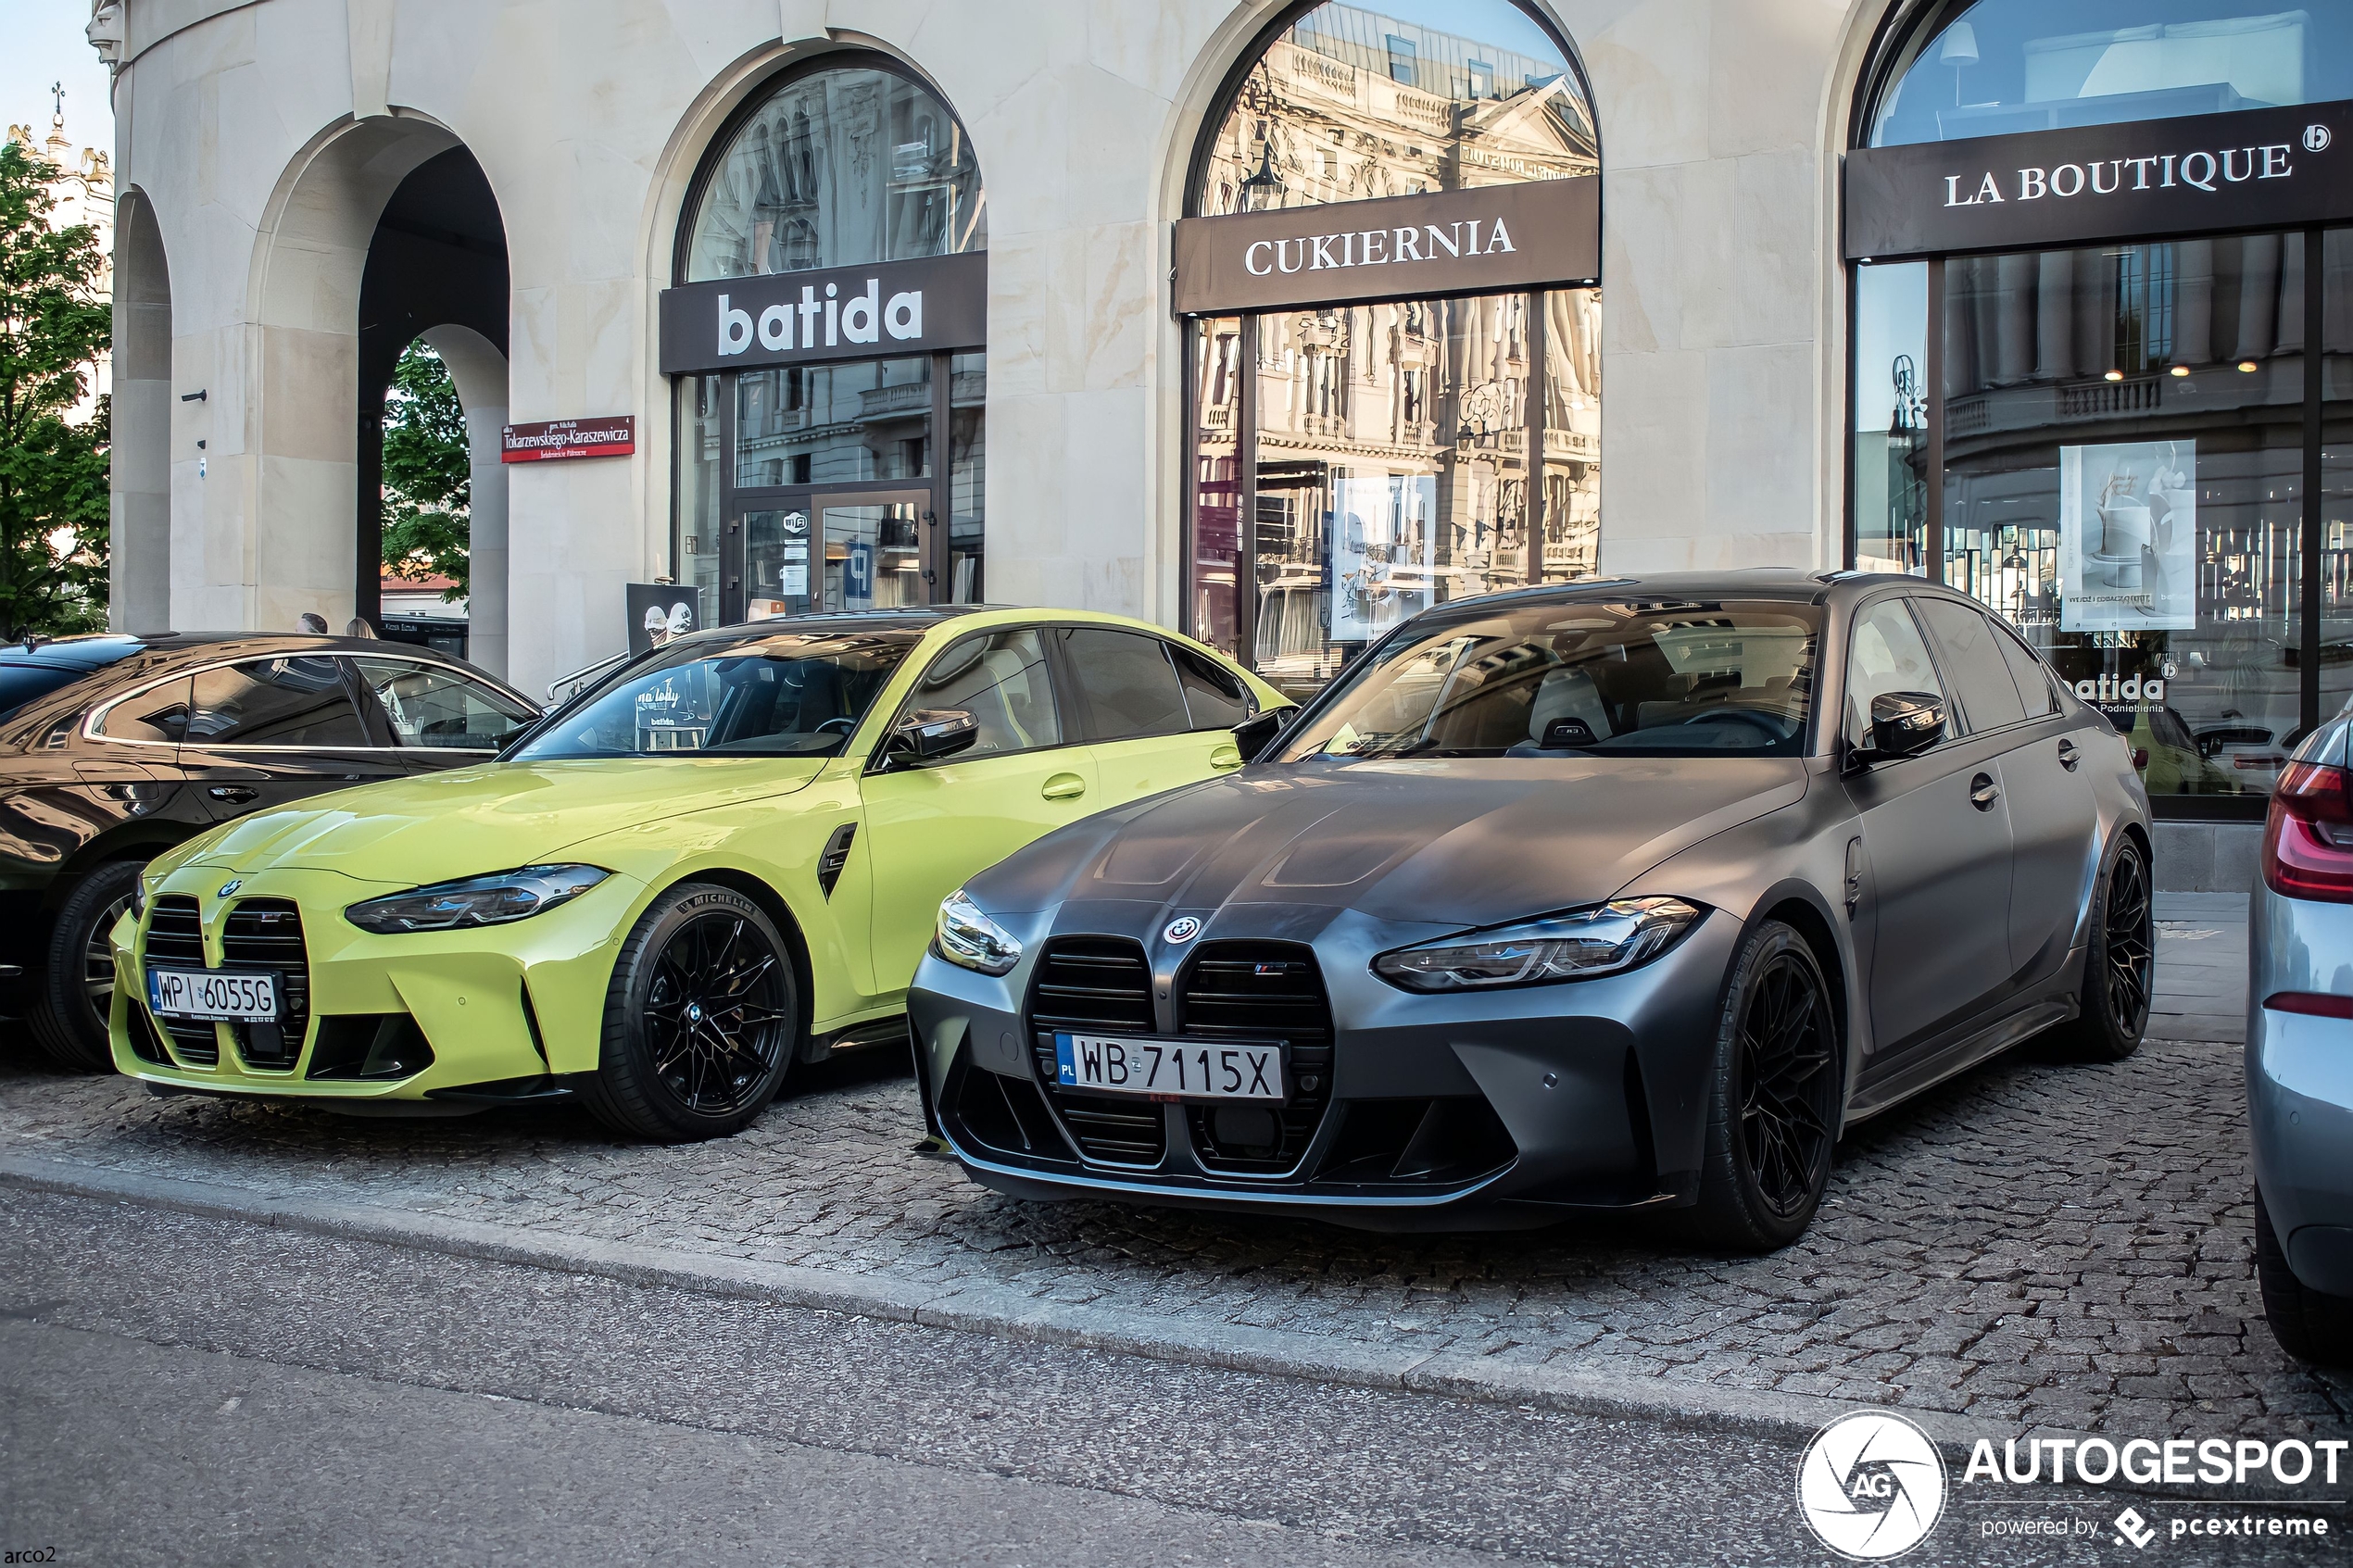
847 725
1740 715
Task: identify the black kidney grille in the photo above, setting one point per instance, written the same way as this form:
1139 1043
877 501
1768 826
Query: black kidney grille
175 937
1096 983
1260 991
266 934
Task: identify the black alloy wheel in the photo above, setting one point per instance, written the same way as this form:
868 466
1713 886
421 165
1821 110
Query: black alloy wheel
73 998
1774 1103
700 1021
2119 970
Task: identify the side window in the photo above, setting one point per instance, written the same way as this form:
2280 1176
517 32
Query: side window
292 702
2033 681
424 705
161 715
1215 696
1000 679
1131 687
1888 656
1989 697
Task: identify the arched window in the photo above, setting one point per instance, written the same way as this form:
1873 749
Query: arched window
2101 365
831 434
1389 452
1990 66
836 167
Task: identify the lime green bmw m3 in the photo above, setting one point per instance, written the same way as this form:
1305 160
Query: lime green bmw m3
726 858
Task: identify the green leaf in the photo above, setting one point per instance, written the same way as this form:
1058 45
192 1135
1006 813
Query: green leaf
427 472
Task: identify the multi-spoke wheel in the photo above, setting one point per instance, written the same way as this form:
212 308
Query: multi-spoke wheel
1774 1102
700 1021
2119 968
75 991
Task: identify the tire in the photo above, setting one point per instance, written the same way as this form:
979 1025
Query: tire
2120 967
1773 1098
2309 1324
75 989
702 1019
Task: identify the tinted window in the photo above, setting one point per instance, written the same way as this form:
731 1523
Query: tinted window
1888 656
2033 681
20 683
1000 678
157 715
1132 688
1989 697
1215 696
1676 680
424 705
789 693
291 701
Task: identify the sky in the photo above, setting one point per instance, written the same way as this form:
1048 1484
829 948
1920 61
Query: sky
46 45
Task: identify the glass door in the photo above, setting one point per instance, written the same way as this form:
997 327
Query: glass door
805 552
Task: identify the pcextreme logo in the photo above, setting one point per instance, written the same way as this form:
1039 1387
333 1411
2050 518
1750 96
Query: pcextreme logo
1871 1485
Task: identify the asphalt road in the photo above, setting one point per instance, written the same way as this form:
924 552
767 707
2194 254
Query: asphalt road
179 1390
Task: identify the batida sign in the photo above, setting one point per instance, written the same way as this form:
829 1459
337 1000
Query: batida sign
924 306
2255 169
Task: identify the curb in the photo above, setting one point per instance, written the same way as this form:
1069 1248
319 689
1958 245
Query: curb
1007 1313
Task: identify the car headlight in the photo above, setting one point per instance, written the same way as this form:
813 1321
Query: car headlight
477 900
1606 939
968 937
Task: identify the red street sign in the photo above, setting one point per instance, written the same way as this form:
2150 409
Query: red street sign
615 436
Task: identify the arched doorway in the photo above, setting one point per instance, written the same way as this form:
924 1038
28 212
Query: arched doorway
826 340
140 474
1395 405
436 272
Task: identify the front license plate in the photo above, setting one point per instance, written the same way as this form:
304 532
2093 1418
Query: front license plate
1106 1064
213 993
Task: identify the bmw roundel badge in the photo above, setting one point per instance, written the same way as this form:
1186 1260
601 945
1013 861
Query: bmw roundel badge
230 886
1184 928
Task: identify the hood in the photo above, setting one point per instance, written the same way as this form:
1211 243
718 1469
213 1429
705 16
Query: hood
470 821
1456 842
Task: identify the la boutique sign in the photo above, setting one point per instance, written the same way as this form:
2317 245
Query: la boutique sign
2274 167
924 306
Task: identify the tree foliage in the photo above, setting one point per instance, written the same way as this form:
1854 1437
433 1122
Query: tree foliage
427 481
53 473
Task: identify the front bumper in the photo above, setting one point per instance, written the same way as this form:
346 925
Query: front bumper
1454 1111
501 1012
2299 1084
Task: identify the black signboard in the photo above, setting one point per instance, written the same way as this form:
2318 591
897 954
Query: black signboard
1535 233
890 307
2254 169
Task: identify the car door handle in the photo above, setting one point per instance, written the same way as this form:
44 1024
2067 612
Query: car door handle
2069 756
1983 792
1064 786
1225 758
236 795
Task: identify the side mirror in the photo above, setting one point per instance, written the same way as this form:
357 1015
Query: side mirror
1256 736
1905 723
930 733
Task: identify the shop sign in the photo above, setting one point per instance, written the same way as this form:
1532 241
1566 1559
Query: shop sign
2254 169
890 307
658 611
615 436
1538 233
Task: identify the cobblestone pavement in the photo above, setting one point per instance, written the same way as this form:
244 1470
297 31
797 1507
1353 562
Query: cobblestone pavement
2039 1241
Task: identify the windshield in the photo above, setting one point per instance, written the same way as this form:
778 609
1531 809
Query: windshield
783 695
1550 680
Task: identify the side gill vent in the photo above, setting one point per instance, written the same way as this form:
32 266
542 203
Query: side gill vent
836 856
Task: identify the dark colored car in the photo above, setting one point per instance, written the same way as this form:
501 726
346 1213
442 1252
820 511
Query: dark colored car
1620 895
113 748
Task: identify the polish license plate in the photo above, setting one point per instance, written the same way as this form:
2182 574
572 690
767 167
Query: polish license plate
211 993
1187 1070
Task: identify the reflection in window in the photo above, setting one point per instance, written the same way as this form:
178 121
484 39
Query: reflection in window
792 695
835 168
967 477
2004 66
1348 105
1891 418
834 424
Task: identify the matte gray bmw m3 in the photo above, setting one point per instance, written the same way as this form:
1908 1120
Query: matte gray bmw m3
1615 895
